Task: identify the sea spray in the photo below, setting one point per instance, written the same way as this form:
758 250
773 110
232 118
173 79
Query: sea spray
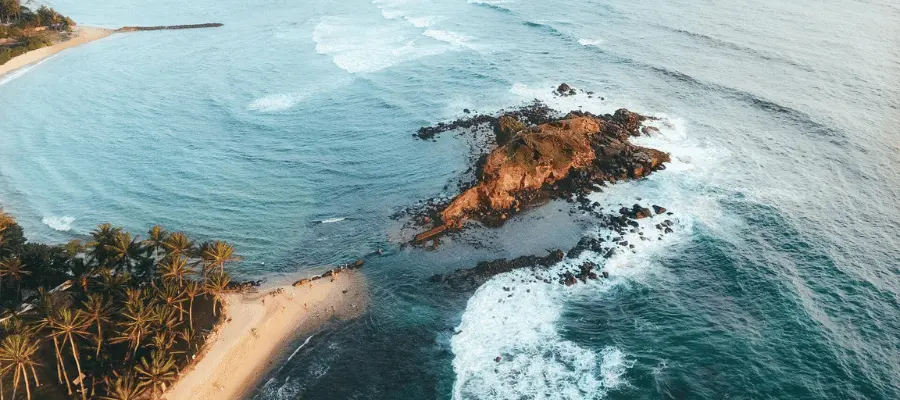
62 224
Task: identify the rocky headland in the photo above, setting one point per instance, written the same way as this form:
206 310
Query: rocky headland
537 155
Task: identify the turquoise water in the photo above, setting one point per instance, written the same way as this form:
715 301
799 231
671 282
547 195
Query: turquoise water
781 280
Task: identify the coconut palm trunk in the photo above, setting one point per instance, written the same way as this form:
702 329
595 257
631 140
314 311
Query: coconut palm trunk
27 385
37 383
78 365
99 337
190 315
62 364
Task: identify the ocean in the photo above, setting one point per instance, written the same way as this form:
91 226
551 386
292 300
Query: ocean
781 280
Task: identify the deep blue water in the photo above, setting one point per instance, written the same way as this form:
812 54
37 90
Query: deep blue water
781 280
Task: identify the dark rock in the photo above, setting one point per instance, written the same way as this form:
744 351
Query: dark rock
649 130
472 278
507 126
658 210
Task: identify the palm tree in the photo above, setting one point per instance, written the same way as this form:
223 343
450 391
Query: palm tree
156 239
178 244
16 352
5 222
174 269
157 372
217 253
192 289
136 325
164 317
98 310
51 323
103 236
125 387
111 283
172 296
216 285
66 325
163 340
123 250
135 297
13 268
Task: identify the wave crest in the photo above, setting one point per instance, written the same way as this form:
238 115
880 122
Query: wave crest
62 224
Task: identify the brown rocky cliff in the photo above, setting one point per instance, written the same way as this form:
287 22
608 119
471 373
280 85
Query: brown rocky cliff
532 158
576 152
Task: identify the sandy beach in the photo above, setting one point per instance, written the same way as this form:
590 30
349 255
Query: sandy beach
257 329
81 35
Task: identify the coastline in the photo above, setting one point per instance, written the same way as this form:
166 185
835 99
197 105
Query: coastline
81 35
257 328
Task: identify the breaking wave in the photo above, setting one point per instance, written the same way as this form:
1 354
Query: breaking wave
62 224
454 38
590 42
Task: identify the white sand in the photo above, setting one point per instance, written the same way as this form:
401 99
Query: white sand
252 339
81 35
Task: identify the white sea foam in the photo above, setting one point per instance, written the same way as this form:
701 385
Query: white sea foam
536 361
276 102
491 2
332 220
580 101
22 71
422 22
454 38
590 42
363 48
62 224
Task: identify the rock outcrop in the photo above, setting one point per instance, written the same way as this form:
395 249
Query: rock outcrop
566 156
471 278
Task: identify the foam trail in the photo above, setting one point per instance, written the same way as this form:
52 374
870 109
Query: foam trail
276 102
62 224
22 71
305 342
332 220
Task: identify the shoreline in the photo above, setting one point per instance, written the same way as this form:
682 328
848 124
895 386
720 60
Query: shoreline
81 35
257 328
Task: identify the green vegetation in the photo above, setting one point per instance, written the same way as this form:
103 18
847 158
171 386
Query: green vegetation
23 30
114 318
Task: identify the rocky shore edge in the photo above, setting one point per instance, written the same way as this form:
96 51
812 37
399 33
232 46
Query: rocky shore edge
536 154
618 224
